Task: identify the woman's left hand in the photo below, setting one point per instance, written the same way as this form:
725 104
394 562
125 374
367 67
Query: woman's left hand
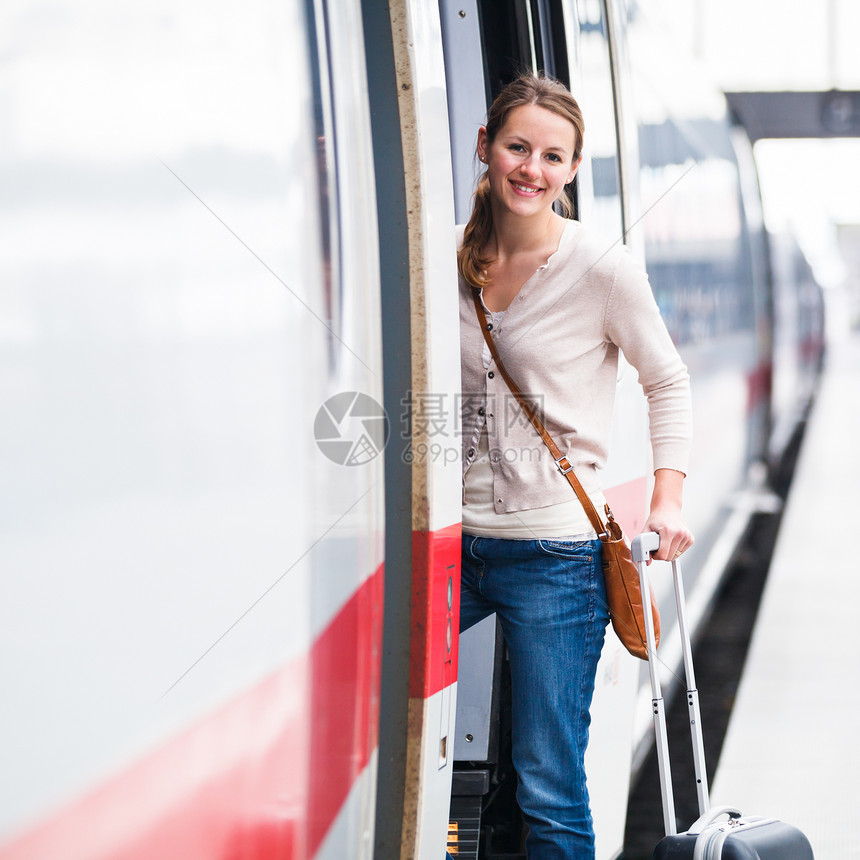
665 517
675 537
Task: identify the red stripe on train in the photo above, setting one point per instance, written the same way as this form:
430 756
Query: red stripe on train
436 578
435 611
261 778
346 668
759 385
629 504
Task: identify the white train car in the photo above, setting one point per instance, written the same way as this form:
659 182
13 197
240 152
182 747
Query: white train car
228 321
191 609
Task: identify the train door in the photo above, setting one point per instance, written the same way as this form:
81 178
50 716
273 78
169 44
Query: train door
486 45
422 461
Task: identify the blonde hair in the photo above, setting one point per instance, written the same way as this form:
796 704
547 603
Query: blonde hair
528 89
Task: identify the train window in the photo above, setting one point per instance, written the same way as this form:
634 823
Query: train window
326 164
508 39
520 36
692 218
488 43
345 190
600 187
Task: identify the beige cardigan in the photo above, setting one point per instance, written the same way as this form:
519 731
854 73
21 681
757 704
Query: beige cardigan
560 341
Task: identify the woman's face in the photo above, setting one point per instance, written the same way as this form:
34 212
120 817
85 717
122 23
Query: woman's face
531 159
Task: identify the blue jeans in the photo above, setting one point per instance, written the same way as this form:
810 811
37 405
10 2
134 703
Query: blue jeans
550 598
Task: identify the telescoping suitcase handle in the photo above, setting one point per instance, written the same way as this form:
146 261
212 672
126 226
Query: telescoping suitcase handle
642 547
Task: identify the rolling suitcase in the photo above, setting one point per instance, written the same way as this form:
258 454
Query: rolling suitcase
721 832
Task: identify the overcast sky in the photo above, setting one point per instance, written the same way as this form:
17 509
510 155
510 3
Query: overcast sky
751 45
773 44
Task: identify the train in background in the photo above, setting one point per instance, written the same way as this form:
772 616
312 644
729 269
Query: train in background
230 508
798 343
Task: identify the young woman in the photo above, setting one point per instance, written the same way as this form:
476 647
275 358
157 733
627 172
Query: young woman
560 304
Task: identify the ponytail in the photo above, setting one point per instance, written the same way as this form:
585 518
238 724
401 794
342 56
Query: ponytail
470 261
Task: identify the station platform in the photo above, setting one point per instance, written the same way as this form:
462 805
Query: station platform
792 749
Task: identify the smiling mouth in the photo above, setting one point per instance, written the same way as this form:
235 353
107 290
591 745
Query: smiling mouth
526 189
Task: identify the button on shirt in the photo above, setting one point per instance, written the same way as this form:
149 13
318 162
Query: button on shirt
481 416
484 415
560 340
565 520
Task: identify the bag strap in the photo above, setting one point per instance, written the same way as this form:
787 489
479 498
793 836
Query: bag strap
611 528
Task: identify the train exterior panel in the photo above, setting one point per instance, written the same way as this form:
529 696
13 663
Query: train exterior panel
191 605
430 448
230 515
